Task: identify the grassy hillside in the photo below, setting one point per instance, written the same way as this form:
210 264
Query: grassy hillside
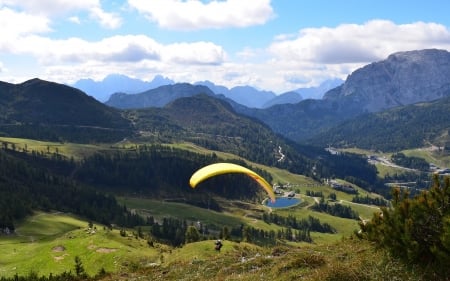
48 243
128 258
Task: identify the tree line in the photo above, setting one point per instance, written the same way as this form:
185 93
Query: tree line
378 201
411 162
311 223
177 232
336 209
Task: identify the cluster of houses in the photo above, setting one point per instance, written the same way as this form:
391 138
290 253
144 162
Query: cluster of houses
279 190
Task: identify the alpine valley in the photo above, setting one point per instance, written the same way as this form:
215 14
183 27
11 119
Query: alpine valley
94 178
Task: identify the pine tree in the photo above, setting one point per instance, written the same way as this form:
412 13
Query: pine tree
192 234
79 269
415 229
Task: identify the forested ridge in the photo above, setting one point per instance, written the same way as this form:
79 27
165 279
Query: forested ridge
25 188
393 130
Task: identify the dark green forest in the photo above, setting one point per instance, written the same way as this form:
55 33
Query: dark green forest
25 187
410 162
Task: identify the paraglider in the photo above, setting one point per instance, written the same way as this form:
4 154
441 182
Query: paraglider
225 168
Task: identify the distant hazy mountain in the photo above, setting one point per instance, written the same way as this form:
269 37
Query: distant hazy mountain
245 95
288 97
319 91
403 78
157 97
102 90
304 93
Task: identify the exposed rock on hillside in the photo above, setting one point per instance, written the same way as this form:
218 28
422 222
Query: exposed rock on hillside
403 78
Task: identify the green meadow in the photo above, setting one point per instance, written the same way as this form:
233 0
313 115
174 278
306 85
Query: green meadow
49 242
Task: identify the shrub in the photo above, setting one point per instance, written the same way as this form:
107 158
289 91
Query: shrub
416 229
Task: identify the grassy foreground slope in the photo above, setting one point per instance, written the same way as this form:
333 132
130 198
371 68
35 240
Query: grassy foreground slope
348 260
49 242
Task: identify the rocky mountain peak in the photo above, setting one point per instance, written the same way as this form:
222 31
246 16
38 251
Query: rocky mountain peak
403 78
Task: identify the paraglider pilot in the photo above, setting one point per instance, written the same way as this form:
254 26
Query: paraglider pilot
218 244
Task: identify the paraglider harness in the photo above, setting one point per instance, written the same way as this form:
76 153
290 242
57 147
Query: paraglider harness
218 244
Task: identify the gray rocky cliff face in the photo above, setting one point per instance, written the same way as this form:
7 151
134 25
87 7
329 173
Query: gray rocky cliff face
403 78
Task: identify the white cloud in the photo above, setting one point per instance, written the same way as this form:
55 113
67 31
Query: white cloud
108 20
290 62
74 19
117 54
57 8
195 53
194 14
52 7
352 43
14 23
320 53
129 48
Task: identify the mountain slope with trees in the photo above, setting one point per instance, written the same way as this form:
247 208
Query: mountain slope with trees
45 110
213 124
407 127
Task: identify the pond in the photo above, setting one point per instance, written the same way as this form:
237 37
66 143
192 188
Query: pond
283 202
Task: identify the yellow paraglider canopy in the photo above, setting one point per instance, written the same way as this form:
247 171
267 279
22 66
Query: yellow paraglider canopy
225 168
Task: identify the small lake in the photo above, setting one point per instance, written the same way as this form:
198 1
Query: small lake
283 202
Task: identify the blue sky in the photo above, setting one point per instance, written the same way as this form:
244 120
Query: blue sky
276 45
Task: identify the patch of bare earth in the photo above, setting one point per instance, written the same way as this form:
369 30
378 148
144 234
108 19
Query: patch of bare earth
60 258
59 248
105 250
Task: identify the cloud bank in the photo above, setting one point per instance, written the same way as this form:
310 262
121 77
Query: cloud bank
194 14
289 61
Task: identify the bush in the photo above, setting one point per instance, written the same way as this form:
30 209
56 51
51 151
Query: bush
416 230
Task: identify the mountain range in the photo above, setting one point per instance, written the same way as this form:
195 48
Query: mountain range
402 79
157 97
113 84
201 119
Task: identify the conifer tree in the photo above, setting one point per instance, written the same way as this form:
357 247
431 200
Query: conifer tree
415 229
192 234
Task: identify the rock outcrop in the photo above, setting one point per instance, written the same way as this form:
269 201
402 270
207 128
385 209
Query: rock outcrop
403 78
